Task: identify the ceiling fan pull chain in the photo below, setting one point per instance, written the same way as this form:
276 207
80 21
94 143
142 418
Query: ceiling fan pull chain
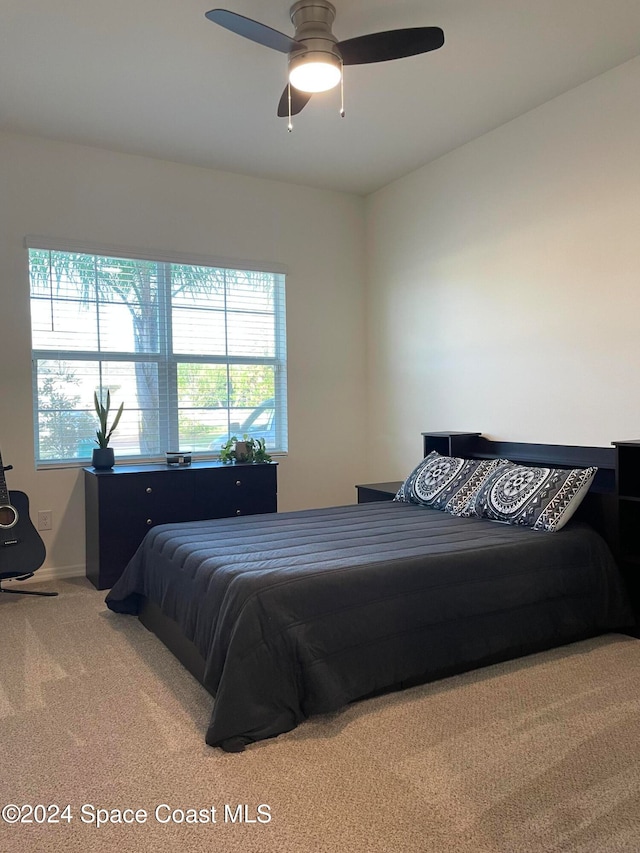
341 89
290 125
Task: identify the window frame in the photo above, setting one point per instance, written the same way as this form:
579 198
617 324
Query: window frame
166 360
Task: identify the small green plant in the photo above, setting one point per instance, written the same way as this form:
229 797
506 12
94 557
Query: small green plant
244 450
104 433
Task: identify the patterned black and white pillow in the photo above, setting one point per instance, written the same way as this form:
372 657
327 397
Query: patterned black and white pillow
541 498
404 492
473 477
445 482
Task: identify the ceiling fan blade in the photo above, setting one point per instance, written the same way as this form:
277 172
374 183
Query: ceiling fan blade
393 44
299 100
253 30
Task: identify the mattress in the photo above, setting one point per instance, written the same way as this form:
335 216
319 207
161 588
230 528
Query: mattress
299 613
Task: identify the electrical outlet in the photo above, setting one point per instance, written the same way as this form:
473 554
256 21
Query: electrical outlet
45 519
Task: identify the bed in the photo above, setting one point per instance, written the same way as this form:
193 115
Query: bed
288 615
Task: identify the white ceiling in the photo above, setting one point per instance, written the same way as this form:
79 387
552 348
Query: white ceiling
154 77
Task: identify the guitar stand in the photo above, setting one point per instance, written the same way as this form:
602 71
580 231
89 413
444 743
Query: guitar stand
23 591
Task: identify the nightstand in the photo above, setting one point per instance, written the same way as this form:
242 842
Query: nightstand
370 492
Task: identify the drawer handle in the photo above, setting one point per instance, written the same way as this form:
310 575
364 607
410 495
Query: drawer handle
238 482
148 490
149 521
238 512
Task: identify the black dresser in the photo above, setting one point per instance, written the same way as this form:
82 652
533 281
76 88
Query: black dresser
123 503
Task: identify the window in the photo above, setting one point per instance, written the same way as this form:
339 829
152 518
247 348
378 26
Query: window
194 352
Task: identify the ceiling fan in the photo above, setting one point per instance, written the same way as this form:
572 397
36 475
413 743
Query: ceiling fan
316 57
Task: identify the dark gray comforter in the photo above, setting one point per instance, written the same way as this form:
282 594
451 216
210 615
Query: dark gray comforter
299 613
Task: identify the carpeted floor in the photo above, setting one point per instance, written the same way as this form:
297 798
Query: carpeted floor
541 754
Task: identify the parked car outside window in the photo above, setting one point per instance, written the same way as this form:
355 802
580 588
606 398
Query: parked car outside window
259 423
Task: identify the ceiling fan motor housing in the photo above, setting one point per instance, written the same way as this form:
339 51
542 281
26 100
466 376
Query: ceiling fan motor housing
313 20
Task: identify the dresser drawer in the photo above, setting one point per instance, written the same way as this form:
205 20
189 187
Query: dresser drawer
236 490
150 498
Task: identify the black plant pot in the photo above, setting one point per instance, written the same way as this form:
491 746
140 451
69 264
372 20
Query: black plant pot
102 458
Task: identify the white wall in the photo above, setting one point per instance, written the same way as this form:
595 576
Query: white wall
504 283
68 191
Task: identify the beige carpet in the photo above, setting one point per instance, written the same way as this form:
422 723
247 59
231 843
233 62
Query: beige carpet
542 754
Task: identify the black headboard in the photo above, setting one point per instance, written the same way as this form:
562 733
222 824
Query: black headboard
600 506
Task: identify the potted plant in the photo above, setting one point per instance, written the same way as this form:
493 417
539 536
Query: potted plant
245 450
103 457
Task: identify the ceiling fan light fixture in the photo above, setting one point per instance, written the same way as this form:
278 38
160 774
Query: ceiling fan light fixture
315 71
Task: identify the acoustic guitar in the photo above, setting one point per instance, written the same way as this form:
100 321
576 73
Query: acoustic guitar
22 550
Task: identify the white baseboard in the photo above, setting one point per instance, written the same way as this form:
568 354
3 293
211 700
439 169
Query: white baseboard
56 573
